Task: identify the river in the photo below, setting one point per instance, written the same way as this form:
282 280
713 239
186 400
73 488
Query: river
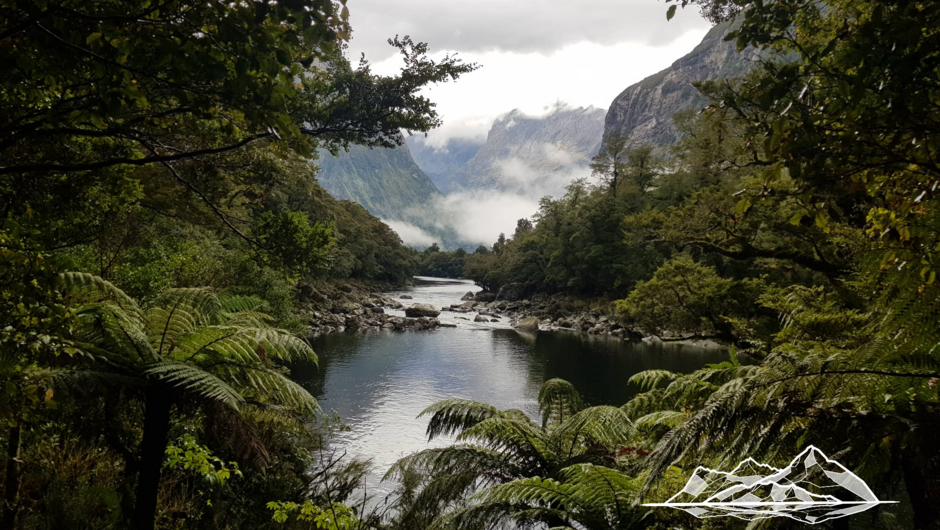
379 382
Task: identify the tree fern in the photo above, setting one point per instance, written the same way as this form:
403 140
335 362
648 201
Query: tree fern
558 400
187 346
453 416
516 465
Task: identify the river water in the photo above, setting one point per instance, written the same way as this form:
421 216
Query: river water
379 382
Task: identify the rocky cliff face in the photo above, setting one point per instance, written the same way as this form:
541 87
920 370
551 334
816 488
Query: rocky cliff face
643 112
386 182
535 154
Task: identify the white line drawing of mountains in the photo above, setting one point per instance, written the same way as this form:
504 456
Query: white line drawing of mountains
811 489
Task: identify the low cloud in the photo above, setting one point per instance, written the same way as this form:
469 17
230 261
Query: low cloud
534 181
477 217
410 234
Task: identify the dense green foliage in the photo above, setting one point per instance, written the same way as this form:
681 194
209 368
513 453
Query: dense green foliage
167 150
162 149
796 220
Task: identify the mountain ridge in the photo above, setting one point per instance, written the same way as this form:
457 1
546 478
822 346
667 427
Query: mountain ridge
643 112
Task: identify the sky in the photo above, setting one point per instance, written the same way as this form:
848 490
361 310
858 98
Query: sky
532 53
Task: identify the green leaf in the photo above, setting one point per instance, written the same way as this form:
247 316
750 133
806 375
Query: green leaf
671 12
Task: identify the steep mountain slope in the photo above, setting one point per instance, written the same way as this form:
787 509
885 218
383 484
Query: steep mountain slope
643 112
441 163
385 181
535 154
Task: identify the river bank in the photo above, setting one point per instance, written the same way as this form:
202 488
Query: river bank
379 382
459 304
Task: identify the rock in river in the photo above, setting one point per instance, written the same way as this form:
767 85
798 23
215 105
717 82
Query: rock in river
422 310
528 324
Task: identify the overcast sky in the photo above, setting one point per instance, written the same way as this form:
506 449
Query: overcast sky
532 52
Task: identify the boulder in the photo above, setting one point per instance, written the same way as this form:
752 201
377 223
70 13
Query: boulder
528 324
345 288
405 297
511 292
494 320
484 296
422 310
468 296
377 310
345 307
564 323
480 318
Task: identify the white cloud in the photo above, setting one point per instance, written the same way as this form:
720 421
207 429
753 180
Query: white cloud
477 217
522 26
410 234
581 74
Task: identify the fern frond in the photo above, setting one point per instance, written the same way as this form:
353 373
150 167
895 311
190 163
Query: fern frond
270 385
662 418
453 416
606 425
649 379
113 333
510 436
248 319
83 288
558 400
196 381
244 345
233 303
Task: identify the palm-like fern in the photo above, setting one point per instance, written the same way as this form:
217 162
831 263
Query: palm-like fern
504 453
873 403
190 344
592 496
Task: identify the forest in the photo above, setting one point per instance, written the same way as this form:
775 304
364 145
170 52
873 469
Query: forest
160 211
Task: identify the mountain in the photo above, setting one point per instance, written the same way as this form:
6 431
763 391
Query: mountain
442 162
811 489
535 155
643 112
386 182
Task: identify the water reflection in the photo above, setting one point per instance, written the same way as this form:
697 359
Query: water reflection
379 382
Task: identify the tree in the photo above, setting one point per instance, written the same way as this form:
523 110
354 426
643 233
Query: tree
34 318
190 345
683 297
610 162
103 84
851 120
505 447
111 103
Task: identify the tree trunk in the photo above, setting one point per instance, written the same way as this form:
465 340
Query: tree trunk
152 451
11 497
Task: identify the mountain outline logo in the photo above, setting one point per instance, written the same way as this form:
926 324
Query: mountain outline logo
811 489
